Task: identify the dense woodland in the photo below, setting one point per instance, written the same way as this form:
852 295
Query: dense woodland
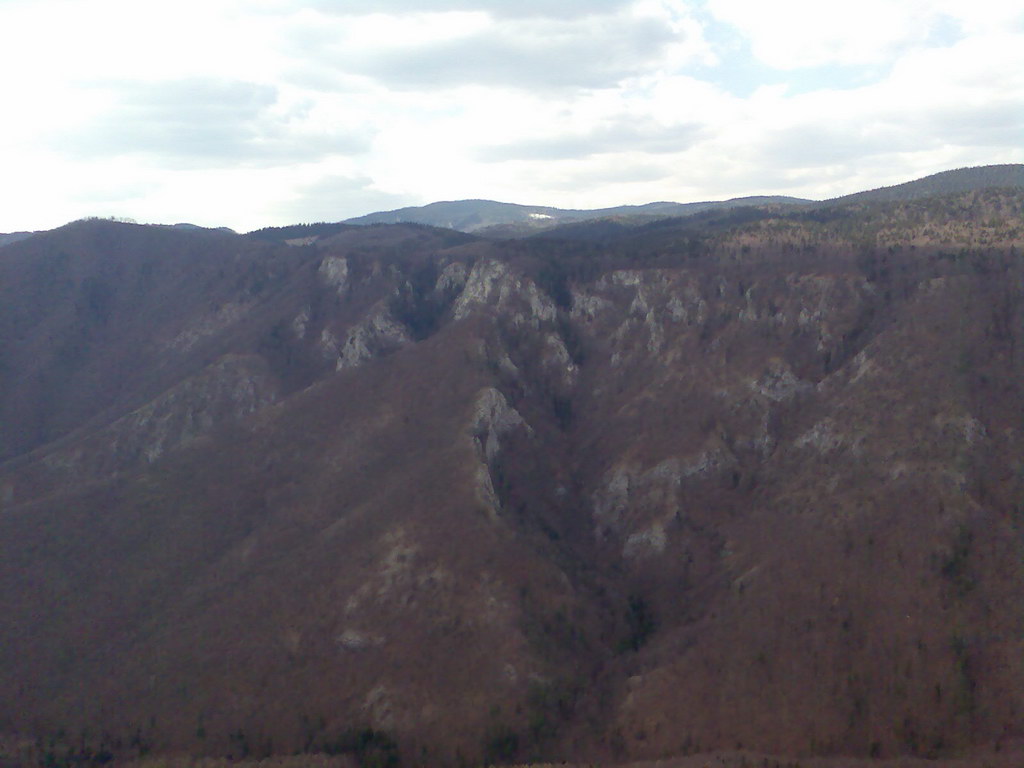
744 482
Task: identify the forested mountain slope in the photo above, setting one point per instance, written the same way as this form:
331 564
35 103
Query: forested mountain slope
748 479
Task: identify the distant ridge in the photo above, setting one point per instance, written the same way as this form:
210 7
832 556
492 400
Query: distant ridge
14 237
511 219
297 232
496 219
476 215
195 227
943 183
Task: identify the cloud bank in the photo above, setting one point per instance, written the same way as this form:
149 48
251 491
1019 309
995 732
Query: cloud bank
251 114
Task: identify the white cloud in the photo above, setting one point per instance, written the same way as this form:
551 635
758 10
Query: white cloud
610 135
788 34
258 112
444 50
498 8
336 197
207 123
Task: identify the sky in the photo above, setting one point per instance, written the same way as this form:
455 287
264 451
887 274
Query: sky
251 113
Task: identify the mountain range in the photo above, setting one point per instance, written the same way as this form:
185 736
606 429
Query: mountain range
635 486
477 215
507 219
493 218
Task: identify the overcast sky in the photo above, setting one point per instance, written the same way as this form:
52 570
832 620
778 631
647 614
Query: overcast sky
259 112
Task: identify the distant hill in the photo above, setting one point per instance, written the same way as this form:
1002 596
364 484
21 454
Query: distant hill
297 232
497 219
192 227
17 237
944 183
479 215
14 237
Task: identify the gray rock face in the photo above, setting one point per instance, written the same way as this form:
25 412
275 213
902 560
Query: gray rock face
492 283
334 272
492 418
377 334
230 390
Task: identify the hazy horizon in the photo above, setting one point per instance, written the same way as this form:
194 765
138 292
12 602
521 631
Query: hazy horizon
244 114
